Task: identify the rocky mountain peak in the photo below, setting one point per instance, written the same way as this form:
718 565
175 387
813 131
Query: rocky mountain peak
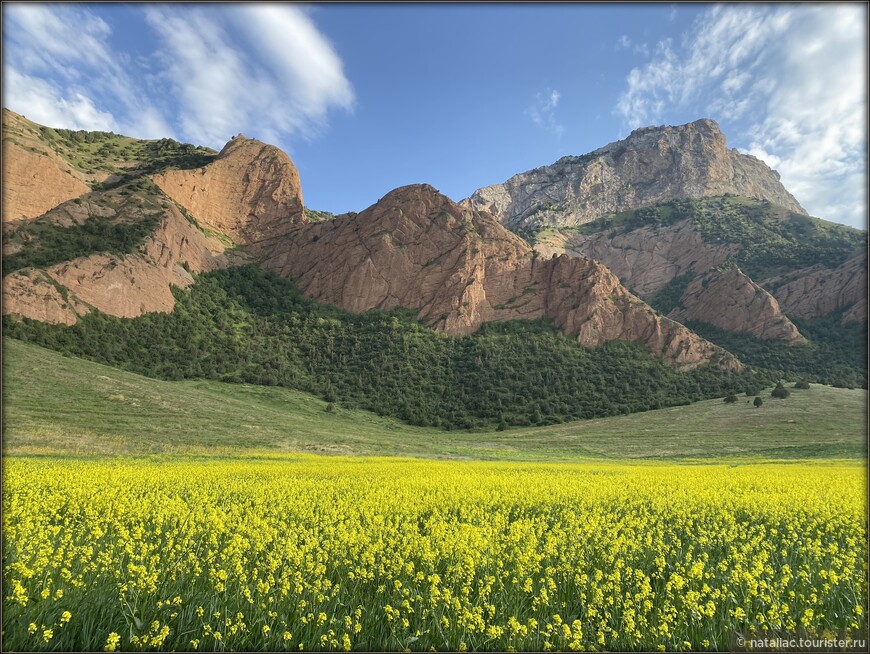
423 204
706 130
251 192
417 195
239 142
650 166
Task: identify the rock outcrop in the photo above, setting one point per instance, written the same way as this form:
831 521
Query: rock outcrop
652 165
644 259
35 178
35 294
730 300
819 291
250 192
459 268
125 286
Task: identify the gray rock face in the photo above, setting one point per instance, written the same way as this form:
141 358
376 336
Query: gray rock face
652 165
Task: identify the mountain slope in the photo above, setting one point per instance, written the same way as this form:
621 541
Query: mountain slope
730 300
108 240
459 269
645 258
44 166
652 165
811 266
35 177
120 252
820 290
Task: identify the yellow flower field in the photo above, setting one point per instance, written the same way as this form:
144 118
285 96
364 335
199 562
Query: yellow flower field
321 553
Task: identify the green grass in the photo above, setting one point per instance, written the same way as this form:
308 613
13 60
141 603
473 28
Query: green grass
107 152
63 405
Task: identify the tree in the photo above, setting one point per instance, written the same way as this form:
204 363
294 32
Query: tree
802 384
780 391
730 399
758 402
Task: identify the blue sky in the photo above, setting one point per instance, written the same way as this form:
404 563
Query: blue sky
366 98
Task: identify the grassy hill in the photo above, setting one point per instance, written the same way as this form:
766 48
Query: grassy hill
54 404
93 153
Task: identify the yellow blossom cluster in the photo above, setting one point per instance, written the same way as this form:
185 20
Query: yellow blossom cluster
325 553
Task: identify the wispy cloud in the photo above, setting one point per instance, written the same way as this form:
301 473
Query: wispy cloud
543 112
262 69
790 84
625 43
58 60
47 104
299 57
263 66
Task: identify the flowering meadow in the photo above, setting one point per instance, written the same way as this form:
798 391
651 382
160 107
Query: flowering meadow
325 553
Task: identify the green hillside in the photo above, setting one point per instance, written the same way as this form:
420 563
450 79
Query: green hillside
836 354
244 325
93 152
54 404
769 239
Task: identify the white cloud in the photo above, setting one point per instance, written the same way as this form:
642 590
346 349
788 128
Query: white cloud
299 56
48 39
264 68
625 43
206 75
60 69
789 84
42 102
218 70
543 112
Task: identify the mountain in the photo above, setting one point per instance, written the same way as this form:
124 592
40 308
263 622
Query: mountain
249 192
652 165
109 240
160 216
415 248
459 268
812 267
670 203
